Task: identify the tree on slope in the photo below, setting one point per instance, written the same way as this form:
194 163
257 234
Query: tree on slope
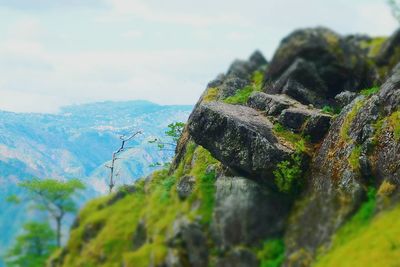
55 197
33 247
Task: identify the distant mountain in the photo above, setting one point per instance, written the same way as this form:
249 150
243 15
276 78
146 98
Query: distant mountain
77 142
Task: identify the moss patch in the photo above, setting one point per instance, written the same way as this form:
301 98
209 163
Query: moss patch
374 243
344 131
243 95
272 253
211 94
157 204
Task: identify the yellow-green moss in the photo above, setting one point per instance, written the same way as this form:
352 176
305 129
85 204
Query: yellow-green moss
211 94
354 158
157 204
344 131
375 244
394 122
374 46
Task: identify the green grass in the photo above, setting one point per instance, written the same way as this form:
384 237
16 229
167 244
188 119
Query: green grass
272 253
370 91
366 241
243 94
330 110
156 203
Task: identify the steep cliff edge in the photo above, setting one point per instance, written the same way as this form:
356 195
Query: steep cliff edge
266 172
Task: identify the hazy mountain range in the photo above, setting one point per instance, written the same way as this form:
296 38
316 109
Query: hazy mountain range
76 143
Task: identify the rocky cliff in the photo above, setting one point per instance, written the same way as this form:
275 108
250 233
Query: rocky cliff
292 162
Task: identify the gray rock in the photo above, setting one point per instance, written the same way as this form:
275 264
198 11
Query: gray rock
185 186
345 98
231 85
217 81
189 245
319 64
294 118
246 213
140 235
388 55
273 105
239 257
317 126
239 137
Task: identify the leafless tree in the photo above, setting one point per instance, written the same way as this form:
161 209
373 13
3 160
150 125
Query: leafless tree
124 140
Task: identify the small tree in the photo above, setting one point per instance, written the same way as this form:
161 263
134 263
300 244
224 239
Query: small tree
173 133
124 140
395 6
33 247
54 197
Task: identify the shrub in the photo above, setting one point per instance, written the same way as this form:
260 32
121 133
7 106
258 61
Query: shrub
272 253
288 174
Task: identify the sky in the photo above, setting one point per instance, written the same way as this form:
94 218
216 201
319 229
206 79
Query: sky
57 53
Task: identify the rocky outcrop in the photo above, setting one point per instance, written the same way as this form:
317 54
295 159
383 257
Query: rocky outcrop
314 65
360 151
220 203
239 137
246 213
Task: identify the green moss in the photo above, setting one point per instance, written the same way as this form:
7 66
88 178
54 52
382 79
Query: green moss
286 134
370 91
330 110
211 94
394 122
243 95
156 204
344 131
374 46
272 253
354 158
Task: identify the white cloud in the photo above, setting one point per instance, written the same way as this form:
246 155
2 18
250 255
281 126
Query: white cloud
132 34
142 9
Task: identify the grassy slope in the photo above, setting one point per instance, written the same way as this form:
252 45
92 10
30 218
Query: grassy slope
105 232
376 244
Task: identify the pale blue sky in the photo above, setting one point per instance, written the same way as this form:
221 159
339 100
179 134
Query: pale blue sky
54 53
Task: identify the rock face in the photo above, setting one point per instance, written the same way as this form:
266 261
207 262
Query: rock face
238 216
314 65
239 137
222 198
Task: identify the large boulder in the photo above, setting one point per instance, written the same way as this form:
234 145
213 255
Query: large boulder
246 213
389 54
360 150
314 65
239 137
243 69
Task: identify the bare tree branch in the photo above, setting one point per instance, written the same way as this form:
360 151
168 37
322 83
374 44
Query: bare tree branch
124 139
